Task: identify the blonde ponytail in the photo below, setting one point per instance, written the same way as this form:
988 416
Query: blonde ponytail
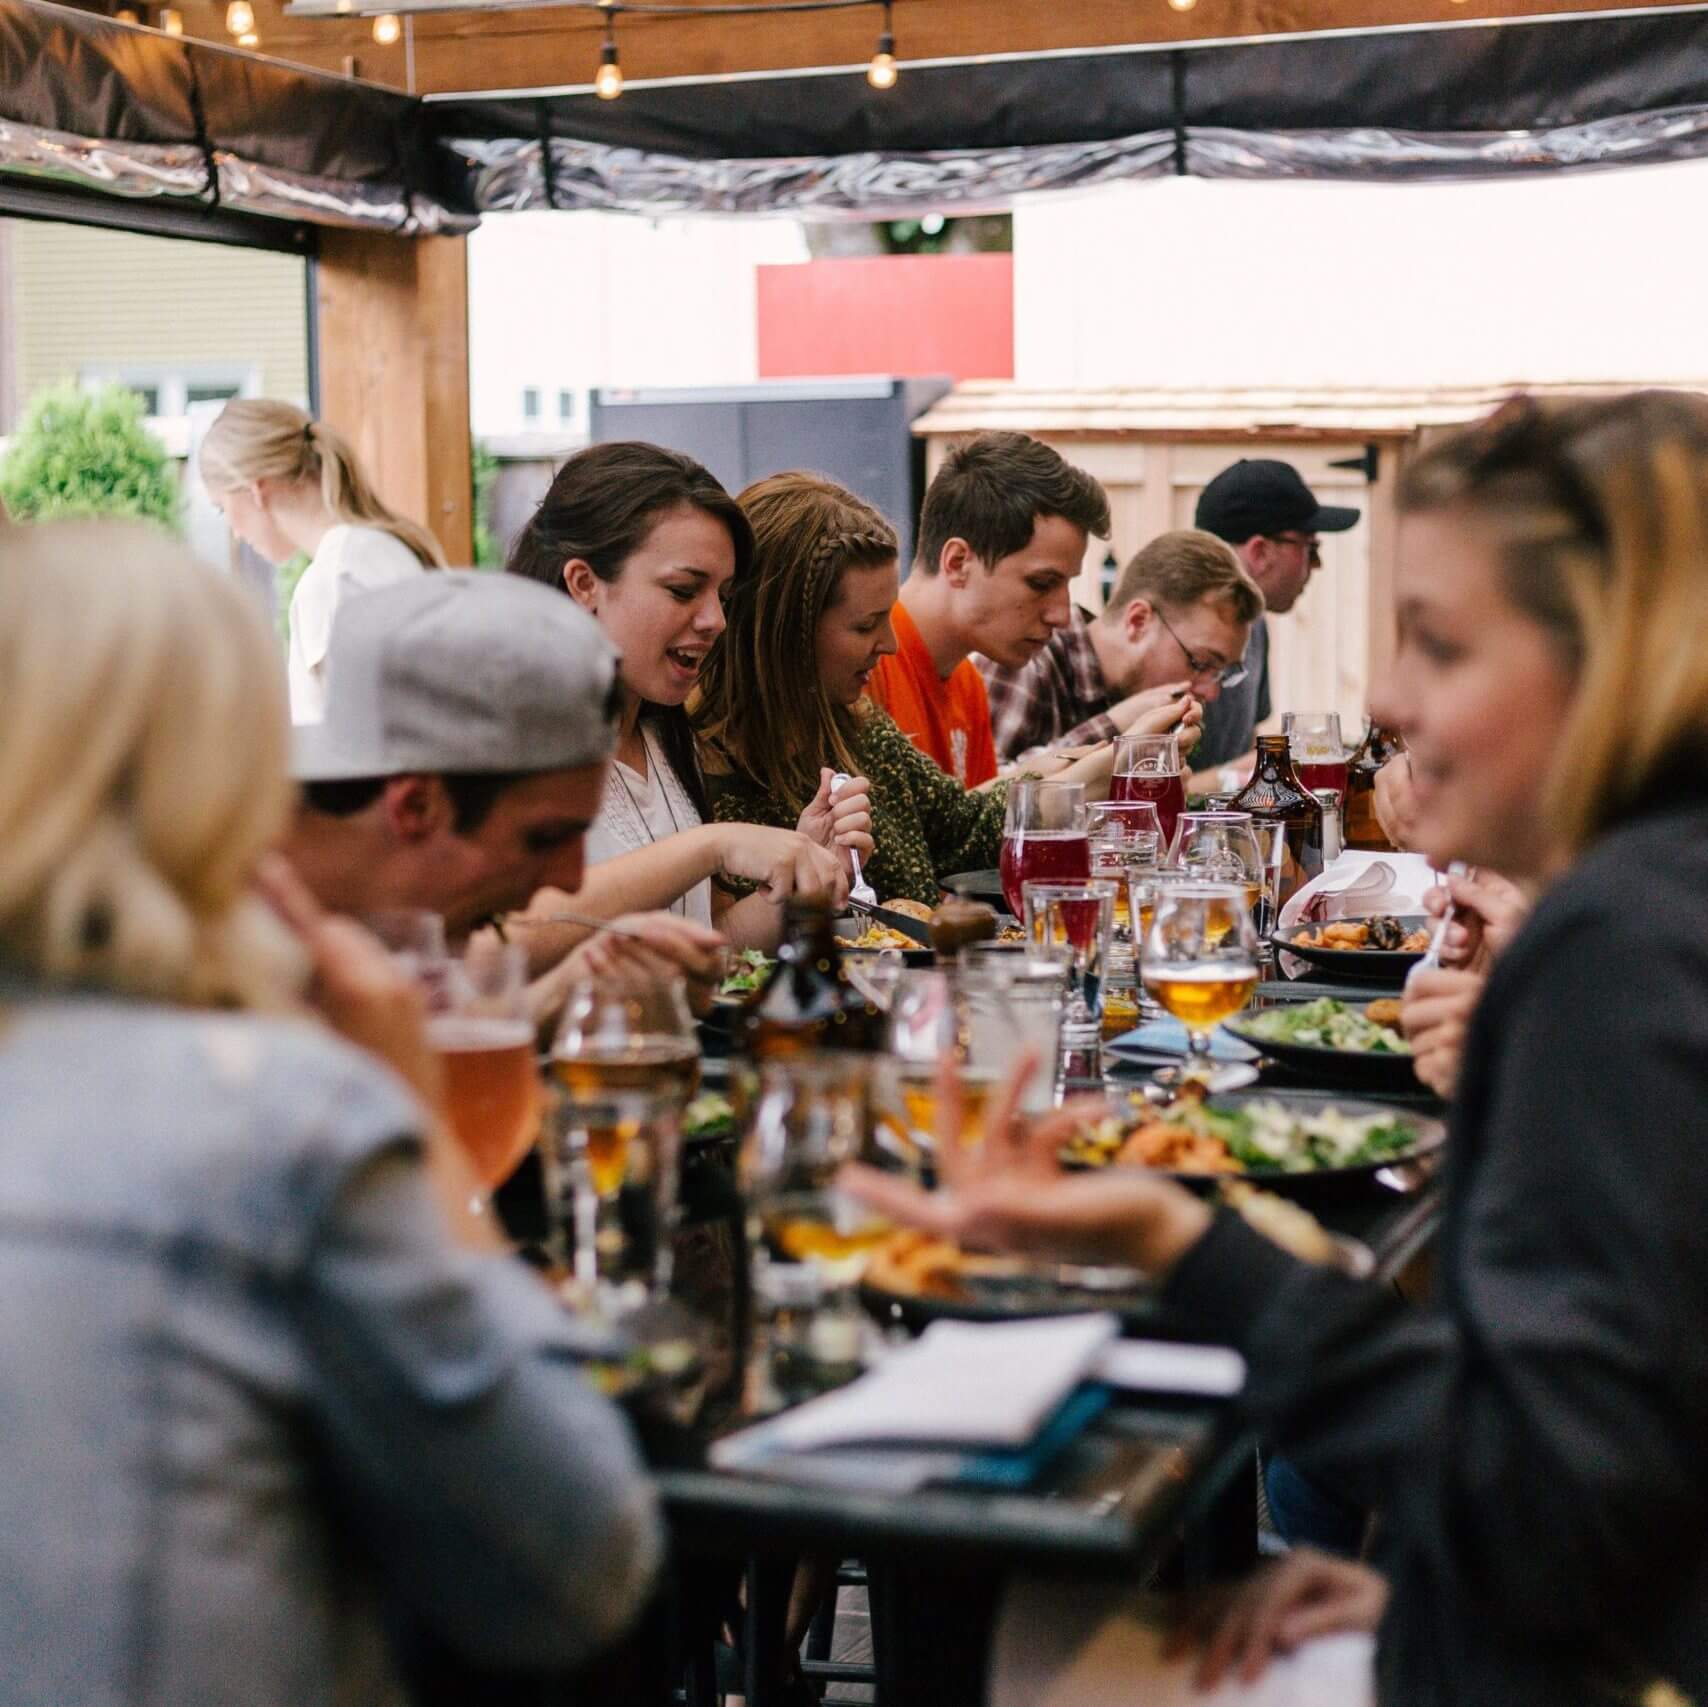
260 438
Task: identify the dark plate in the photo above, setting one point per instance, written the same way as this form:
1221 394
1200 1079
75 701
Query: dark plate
849 927
1368 965
1355 1069
1325 1183
977 886
1005 1301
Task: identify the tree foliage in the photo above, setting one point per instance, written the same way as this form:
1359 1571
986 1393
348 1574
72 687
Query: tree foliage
82 453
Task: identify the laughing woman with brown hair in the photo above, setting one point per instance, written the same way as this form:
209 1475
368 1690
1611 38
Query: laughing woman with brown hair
783 699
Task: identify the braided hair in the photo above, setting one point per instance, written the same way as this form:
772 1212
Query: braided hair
760 708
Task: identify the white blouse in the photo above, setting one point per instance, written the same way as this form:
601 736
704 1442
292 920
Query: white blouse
638 811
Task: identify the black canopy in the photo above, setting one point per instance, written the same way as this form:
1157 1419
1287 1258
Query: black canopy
125 111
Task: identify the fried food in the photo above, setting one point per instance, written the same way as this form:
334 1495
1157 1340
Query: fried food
1384 1012
909 910
1383 932
1158 1144
915 1265
877 936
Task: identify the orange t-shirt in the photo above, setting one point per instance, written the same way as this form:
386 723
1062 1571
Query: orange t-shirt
946 718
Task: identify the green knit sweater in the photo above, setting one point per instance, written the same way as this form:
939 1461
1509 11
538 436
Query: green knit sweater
926 825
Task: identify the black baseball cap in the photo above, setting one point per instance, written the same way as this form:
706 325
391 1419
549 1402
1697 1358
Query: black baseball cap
1259 496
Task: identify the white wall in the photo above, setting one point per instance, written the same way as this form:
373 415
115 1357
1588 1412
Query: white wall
569 301
1199 283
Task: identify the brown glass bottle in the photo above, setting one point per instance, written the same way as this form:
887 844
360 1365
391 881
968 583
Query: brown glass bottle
1275 794
809 1001
1360 827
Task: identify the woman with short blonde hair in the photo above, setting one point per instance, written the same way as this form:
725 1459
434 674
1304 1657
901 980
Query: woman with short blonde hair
246 1352
289 484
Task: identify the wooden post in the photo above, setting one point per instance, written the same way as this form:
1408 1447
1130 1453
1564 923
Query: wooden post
394 371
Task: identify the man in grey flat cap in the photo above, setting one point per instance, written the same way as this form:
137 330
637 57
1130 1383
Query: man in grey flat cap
469 724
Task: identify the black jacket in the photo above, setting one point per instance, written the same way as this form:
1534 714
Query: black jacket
1536 1442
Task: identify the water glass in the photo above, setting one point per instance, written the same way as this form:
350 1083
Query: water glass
1080 919
1011 1003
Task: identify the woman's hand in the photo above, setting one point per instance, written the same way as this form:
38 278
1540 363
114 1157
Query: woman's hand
1008 1193
1490 912
843 821
1435 1015
1302 1596
780 862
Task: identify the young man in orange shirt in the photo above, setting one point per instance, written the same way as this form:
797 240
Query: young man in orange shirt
1002 534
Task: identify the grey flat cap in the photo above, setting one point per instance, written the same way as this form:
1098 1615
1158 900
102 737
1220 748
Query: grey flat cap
461 671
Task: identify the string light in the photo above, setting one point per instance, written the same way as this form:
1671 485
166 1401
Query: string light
240 18
172 21
1183 5
881 73
249 39
126 15
608 82
387 29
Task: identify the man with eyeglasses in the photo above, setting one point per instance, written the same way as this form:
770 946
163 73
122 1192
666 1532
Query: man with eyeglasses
1170 639
1272 519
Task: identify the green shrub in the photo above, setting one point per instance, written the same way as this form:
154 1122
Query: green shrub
483 465
81 453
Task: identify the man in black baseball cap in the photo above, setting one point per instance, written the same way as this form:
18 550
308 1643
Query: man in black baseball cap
1272 519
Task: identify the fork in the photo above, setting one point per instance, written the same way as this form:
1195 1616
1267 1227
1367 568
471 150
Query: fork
1438 937
860 892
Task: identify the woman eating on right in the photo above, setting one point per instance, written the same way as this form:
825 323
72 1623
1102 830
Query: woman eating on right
1533 1441
783 699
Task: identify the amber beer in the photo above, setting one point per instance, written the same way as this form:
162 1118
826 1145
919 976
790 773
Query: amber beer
1275 795
809 1003
492 1093
1360 827
664 1067
822 1227
1201 997
919 1098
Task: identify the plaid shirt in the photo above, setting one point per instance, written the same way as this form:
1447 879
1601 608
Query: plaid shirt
1059 699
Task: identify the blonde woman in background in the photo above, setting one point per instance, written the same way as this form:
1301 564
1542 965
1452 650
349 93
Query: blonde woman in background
251 1361
287 483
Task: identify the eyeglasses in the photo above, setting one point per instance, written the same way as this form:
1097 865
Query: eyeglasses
1228 675
1312 547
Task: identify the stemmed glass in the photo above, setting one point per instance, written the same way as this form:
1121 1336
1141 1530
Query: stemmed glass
1044 838
1316 749
629 1062
484 1037
1222 847
1199 960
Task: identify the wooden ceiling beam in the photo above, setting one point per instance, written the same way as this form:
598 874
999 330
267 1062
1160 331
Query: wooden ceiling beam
549 47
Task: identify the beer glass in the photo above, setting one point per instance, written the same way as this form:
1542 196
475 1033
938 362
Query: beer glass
924 1032
1316 749
1148 767
484 1038
1199 960
628 1059
812 1116
1044 838
1222 847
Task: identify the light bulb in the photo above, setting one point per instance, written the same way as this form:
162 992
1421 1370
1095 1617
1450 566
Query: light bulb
387 29
172 21
1183 5
608 81
881 73
249 39
240 17
125 15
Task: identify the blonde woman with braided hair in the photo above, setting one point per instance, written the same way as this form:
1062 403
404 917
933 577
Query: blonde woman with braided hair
259 1354
289 484
784 698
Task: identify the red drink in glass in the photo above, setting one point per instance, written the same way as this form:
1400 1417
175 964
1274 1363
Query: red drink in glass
1042 856
1319 773
1166 793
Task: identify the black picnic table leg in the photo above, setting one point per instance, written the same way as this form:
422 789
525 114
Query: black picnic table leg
931 1633
765 1665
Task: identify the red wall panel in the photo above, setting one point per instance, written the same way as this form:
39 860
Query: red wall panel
906 315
